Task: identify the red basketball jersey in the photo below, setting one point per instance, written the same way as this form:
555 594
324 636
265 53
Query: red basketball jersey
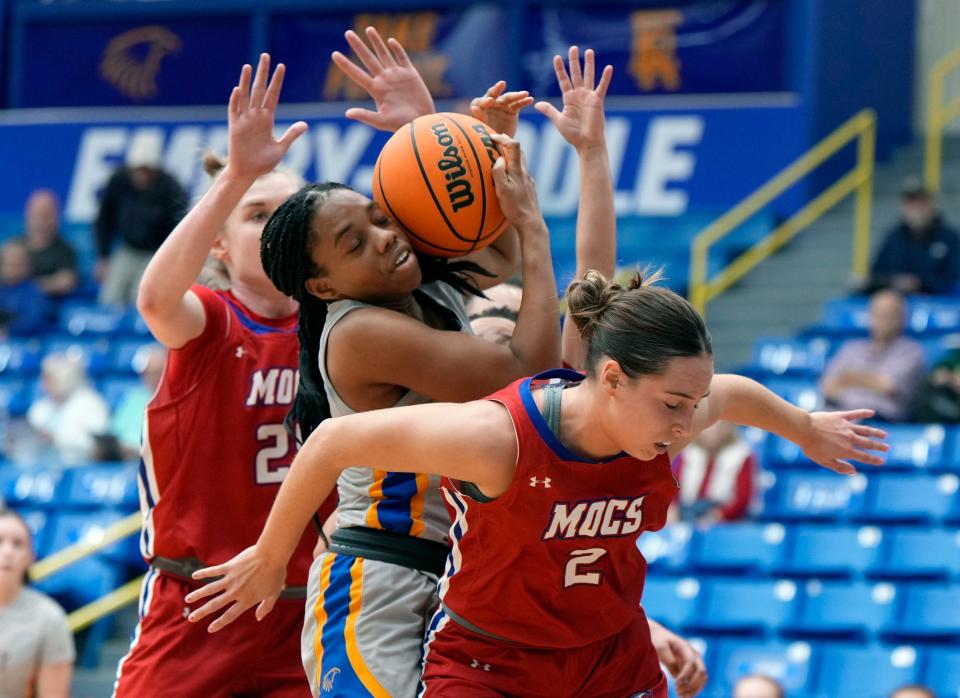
215 449
553 562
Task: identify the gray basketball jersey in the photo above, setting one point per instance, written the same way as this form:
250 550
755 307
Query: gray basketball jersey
400 502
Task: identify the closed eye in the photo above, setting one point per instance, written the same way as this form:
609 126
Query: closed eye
672 407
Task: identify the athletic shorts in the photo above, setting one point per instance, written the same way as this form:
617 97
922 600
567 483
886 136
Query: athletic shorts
171 657
364 626
462 664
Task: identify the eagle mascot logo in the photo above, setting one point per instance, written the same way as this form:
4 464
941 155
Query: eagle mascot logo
131 60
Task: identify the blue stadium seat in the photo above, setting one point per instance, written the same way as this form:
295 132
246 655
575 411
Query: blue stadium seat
846 608
781 453
865 672
814 495
791 356
667 550
790 664
20 357
73 527
799 390
736 605
930 611
17 394
129 356
80 319
926 315
135 325
674 602
847 314
95 354
35 488
827 550
740 547
82 582
915 445
99 486
942 671
897 497
918 552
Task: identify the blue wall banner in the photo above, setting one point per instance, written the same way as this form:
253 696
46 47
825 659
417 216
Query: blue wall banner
706 46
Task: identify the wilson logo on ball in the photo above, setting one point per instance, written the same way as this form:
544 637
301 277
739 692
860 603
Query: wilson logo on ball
434 177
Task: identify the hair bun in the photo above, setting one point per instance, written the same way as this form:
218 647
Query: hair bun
588 298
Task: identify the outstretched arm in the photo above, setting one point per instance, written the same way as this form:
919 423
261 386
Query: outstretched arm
390 78
473 441
830 439
581 123
171 310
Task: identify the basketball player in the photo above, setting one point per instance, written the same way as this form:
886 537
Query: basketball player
215 448
553 479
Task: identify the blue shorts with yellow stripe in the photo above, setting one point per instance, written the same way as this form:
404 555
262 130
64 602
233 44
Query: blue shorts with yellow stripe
364 627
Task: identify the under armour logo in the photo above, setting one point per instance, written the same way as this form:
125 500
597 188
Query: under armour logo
477 665
186 612
545 482
239 352
326 683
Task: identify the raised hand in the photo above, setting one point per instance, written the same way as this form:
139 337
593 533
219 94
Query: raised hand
253 151
836 439
500 110
581 122
516 190
245 580
393 82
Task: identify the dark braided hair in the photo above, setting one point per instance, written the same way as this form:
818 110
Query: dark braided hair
285 255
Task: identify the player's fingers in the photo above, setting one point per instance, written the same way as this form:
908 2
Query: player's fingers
549 111
398 52
386 58
510 148
588 68
510 97
232 105
605 78
260 81
496 89
687 668
365 55
213 571
211 606
868 444
272 97
364 116
521 104
234 612
264 607
293 133
854 415
206 590
838 465
864 430
352 70
573 64
243 101
562 79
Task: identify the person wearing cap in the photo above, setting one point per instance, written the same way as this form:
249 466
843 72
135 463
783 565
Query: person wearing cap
141 204
921 253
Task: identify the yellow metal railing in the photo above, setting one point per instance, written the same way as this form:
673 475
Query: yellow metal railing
859 180
94 611
938 116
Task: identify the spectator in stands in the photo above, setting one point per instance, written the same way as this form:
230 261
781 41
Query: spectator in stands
70 413
53 262
940 397
884 372
36 646
141 204
921 254
126 424
913 691
716 476
23 306
757 686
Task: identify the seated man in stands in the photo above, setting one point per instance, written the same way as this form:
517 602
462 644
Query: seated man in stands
921 254
716 476
53 262
884 372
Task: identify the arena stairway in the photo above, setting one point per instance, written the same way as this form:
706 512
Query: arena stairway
787 291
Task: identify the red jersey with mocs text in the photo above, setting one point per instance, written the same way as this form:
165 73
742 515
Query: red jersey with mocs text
215 449
553 562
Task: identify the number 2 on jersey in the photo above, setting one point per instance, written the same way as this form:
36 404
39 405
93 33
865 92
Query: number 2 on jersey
583 558
278 446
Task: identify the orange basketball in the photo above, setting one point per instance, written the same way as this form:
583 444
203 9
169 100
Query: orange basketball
434 177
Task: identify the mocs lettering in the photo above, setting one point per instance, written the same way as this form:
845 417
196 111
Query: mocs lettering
273 386
602 518
451 164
